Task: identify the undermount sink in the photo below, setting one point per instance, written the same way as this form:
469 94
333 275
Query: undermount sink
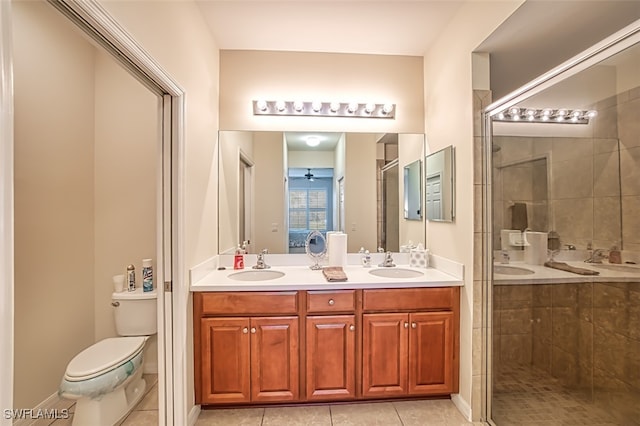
396 273
256 275
511 270
618 268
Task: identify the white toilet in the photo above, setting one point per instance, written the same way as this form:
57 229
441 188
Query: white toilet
106 378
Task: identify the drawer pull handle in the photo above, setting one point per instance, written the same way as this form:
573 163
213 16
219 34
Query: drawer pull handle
414 325
253 330
245 330
352 327
332 302
406 325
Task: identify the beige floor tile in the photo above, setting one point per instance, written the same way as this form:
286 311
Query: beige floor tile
373 414
431 412
141 418
297 416
150 401
231 417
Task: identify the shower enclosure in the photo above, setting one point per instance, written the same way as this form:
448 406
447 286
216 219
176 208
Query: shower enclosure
564 346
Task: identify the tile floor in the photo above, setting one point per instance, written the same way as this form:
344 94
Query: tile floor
402 413
440 412
526 396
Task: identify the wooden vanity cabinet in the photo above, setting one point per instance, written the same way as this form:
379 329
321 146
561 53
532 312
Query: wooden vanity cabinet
249 358
331 345
412 352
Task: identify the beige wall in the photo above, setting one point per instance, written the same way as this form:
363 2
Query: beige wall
125 186
449 121
54 241
360 191
269 193
250 75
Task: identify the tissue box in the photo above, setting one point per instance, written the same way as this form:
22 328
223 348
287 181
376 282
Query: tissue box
419 258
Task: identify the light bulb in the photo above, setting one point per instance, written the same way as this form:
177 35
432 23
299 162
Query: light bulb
334 106
316 106
352 107
514 111
576 113
369 107
262 105
298 105
545 118
313 141
281 105
501 116
547 112
531 117
562 113
387 108
592 113
531 112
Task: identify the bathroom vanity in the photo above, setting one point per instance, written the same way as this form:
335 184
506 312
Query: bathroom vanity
278 341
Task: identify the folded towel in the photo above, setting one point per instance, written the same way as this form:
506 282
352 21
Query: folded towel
334 273
565 267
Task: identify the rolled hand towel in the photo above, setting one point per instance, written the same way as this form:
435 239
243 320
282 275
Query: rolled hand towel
334 273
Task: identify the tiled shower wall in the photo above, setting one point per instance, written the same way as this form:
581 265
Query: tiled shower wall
587 334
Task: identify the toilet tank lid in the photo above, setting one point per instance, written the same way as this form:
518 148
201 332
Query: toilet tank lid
103 356
138 294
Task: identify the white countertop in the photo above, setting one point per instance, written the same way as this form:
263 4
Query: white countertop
301 277
545 275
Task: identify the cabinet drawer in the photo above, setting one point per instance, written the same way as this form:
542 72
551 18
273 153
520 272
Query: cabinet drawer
249 303
331 301
409 299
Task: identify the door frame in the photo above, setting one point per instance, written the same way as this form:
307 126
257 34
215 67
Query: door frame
96 22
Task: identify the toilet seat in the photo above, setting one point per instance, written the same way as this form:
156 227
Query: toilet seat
103 356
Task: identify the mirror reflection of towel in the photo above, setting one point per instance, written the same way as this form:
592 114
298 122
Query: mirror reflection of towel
519 216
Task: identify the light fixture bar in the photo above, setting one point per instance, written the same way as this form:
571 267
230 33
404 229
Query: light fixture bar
517 114
325 109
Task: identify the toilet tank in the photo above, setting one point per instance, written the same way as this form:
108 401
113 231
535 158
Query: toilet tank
135 312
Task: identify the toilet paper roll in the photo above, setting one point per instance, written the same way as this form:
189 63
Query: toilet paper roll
337 249
535 253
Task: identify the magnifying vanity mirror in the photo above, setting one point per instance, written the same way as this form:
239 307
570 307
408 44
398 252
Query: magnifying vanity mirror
316 248
440 185
276 187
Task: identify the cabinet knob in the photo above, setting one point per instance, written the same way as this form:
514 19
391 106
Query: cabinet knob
414 325
253 330
245 330
352 327
406 325
332 302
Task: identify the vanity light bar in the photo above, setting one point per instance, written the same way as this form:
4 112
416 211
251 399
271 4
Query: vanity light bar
325 109
516 114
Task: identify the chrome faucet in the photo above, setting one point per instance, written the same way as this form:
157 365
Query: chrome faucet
388 261
260 264
597 256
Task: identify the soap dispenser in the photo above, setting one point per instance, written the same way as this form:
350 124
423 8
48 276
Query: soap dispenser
238 259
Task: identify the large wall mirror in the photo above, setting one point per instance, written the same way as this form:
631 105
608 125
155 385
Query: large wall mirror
275 187
440 185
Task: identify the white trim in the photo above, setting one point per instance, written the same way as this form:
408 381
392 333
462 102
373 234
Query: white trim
193 415
6 210
462 405
52 404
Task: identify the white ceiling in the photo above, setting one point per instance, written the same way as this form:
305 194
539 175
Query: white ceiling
346 26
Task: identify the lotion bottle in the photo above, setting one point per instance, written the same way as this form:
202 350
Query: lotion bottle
238 259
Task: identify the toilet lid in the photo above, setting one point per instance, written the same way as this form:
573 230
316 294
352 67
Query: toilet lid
103 356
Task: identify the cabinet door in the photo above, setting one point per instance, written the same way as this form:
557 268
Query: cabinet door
384 354
331 354
431 353
225 360
274 359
